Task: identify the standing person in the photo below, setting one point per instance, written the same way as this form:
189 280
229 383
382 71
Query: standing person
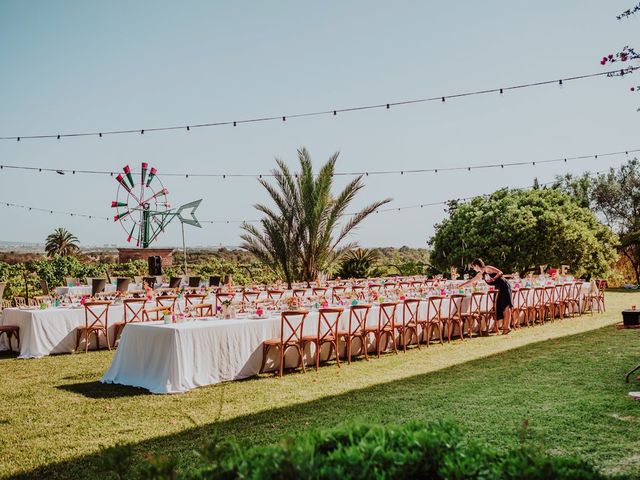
494 276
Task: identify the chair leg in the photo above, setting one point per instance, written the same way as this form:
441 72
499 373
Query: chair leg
335 349
363 346
428 327
317 352
281 349
265 350
301 354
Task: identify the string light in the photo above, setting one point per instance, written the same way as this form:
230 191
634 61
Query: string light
333 111
62 171
229 221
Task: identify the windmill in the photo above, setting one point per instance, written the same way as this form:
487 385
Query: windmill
143 209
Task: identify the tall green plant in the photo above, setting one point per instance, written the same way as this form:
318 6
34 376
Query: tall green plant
303 235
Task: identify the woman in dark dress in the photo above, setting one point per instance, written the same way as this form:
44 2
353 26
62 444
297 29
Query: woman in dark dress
493 276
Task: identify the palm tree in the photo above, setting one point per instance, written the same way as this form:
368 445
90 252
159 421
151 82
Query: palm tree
302 236
358 263
61 242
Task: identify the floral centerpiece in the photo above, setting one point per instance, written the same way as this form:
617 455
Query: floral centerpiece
293 303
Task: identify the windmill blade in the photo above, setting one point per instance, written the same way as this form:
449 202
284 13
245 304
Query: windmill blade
193 206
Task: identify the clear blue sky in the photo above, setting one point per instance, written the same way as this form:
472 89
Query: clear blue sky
78 65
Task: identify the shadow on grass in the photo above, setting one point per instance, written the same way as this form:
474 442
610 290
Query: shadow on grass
99 390
475 386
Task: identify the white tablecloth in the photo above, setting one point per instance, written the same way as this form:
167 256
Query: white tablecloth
80 290
53 330
179 357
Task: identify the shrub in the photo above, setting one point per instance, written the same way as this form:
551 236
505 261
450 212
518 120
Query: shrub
438 450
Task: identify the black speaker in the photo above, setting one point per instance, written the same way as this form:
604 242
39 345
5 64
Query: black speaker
155 265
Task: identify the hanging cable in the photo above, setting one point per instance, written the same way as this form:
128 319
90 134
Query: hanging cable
333 111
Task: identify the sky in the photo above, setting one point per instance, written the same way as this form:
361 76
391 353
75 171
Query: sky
71 66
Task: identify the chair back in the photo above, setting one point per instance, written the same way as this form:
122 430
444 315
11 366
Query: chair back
98 285
522 298
548 294
489 306
203 309
538 297
167 301
222 296
275 294
375 287
576 291
328 322
299 292
194 282
387 315
455 306
434 307
410 308
133 308
194 298
43 286
154 313
319 291
358 315
337 292
250 296
96 313
358 290
122 284
291 325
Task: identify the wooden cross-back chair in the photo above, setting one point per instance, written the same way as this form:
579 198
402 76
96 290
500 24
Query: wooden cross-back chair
11 331
453 315
574 299
167 301
337 293
521 302
96 321
291 327
359 291
250 296
153 314
356 328
434 317
194 298
224 296
489 313
274 294
326 332
385 327
473 315
409 324
132 312
203 309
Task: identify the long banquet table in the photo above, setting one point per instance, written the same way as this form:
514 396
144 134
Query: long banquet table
52 330
172 358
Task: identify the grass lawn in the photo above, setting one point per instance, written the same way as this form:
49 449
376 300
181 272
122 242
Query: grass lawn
565 378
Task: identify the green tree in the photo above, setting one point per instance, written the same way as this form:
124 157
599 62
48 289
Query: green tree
616 195
518 230
61 242
303 235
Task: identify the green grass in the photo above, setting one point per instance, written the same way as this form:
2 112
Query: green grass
565 378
